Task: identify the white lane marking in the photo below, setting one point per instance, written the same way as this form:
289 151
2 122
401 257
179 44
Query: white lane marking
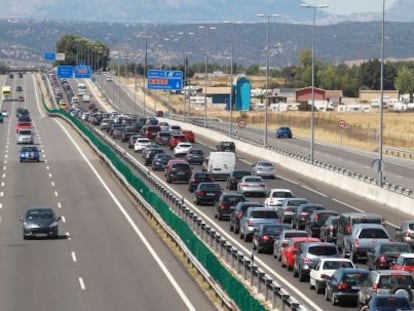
1 205
50 175
68 235
4 175
2 183
45 161
4 168
81 283
47 167
6 156
5 162
52 183
44 155
74 257
289 180
147 244
59 205
1 194
56 193
314 191
245 161
63 218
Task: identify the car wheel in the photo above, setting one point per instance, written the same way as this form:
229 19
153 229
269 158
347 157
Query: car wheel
364 308
333 300
302 277
241 235
295 273
326 295
403 291
231 227
246 238
236 229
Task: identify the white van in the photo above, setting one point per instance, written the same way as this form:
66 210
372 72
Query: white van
24 136
221 163
81 89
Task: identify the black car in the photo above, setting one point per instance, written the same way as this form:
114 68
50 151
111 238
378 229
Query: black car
198 177
149 156
24 118
303 213
179 172
264 238
226 146
316 220
21 112
160 160
344 285
19 88
207 193
40 222
235 177
329 229
238 213
384 254
226 203
195 156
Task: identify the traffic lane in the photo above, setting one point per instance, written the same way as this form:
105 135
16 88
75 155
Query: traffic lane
395 172
117 268
36 274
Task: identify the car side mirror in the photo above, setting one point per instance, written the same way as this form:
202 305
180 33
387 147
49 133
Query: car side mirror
21 218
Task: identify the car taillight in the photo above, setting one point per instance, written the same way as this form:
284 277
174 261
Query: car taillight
239 214
250 223
201 193
265 238
356 242
348 228
382 260
407 233
343 286
244 185
375 288
224 205
194 180
330 229
307 260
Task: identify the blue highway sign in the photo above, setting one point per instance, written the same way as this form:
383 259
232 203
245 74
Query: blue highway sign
65 72
49 56
165 80
164 74
83 72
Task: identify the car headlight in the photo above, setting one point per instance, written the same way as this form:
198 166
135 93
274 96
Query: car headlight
53 224
28 225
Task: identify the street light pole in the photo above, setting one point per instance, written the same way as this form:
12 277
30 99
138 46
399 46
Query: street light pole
312 143
381 130
185 69
267 73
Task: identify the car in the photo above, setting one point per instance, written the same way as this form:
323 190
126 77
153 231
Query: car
303 213
178 172
253 218
234 178
324 269
309 255
171 162
175 139
207 193
149 156
290 248
388 303
189 135
226 146
252 185
165 127
264 169
132 140
405 232
159 161
19 88
284 132
344 285
405 262
175 130
29 153
20 111
276 196
363 238
163 137
288 207
284 235
195 156
226 203
384 254
238 212
148 148
383 282
40 222
1 118
141 143
198 177
264 237
316 220
181 149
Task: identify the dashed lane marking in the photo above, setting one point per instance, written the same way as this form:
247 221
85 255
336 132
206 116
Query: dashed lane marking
81 283
74 257
59 205
63 218
56 193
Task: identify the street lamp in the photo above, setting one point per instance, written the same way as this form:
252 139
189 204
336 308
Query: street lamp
381 131
267 71
187 36
146 37
206 73
314 7
231 75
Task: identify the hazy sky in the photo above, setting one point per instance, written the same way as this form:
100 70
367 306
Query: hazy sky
353 6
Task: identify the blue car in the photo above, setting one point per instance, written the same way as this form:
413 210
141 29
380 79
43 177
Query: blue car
284 132
389 303
29 153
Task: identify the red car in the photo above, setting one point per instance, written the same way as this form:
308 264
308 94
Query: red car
175 139
404 263
290 249
167 166
189 135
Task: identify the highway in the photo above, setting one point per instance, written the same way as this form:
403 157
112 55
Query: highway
106 258
315 192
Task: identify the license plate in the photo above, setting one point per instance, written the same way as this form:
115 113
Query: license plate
356 287
41 234
210 194
180 173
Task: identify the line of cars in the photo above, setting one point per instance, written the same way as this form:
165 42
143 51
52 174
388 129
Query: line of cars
25 135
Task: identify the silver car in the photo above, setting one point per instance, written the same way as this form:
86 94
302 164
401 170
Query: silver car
254 217
252 185
264 168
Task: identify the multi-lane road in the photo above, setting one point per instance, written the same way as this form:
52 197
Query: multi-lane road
315 192
106 258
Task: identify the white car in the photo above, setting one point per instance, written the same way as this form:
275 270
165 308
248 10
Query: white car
182 148
140 144
325 269
276 196
175 129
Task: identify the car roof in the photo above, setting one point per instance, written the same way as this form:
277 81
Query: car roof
362 215
391 272
407 255
280 190
304 239
368 225
335 259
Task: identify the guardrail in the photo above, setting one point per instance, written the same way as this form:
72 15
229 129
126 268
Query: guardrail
400 153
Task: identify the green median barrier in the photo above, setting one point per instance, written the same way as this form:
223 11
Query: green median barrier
233 287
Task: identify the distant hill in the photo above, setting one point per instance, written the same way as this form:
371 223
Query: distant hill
27 40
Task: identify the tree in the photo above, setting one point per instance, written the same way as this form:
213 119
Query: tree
404 81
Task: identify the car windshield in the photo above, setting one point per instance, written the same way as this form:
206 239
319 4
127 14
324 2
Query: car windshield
281 194
296 202
367 221
164 134
210 187
355 279
322 250
393 303
409 261
273 230
395 249
264 214
334 265
25 132
265 164
393 280
39 214
196 151
322 217
234 199
373 233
